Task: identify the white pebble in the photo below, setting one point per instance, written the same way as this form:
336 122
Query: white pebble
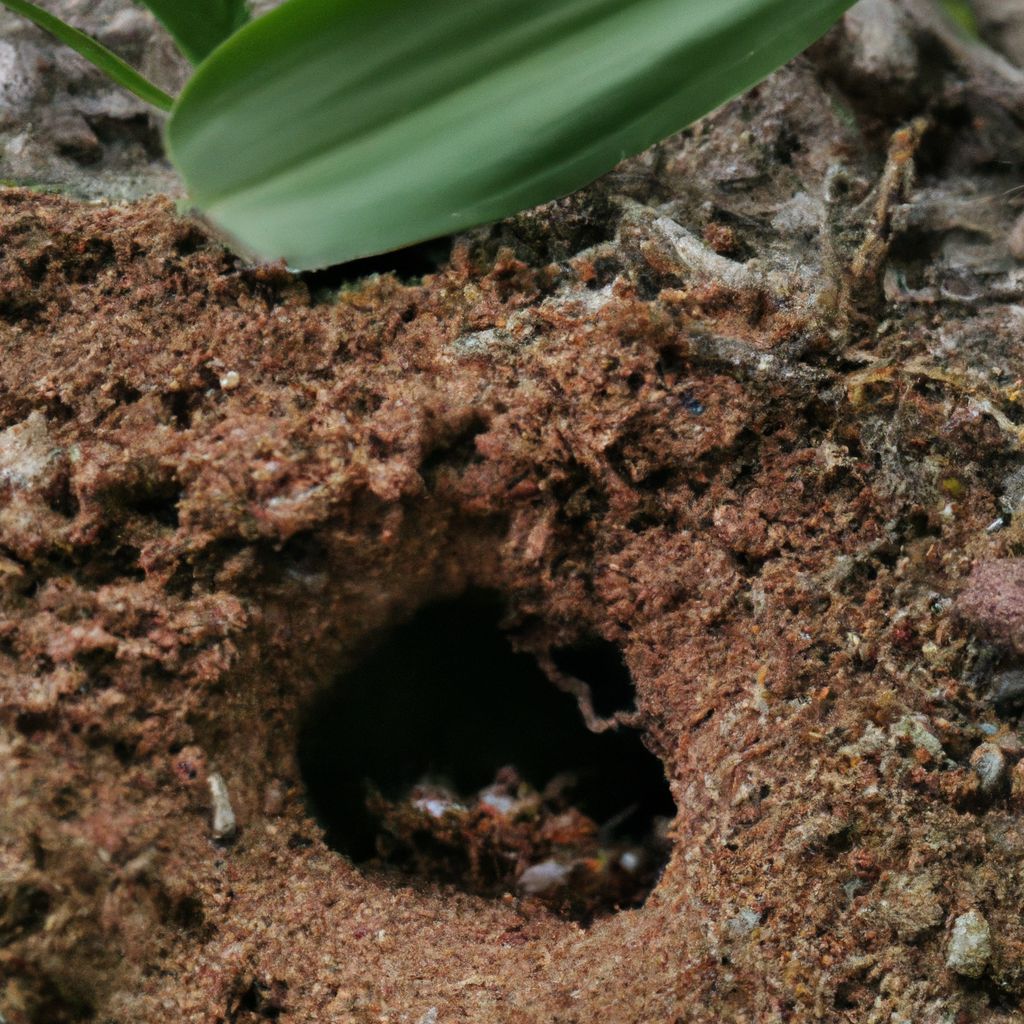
542 877
629 861
500 802
230 381
224 822
437 807
970 945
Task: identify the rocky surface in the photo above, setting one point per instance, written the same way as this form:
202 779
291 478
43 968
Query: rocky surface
1001 22
64 125
749 409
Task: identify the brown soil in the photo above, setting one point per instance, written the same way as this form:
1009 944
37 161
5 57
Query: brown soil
745 409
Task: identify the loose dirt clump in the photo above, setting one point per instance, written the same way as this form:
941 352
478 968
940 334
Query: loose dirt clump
747 412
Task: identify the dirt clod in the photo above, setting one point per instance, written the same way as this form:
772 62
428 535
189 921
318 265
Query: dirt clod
993 602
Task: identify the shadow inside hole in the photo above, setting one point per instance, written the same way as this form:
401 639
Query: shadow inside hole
437 709
410 264
599 664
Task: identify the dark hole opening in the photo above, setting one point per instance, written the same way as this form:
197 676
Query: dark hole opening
446 754
600 665
409 264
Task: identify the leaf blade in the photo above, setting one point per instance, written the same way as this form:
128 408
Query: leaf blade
392 123
199 26
95 52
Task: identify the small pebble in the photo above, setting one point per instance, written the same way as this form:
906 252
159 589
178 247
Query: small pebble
500 802
435 800
1008 687
230 381
543 877
992 603
743 923
629 861
224 822
436 807
989 764
912 729
970 945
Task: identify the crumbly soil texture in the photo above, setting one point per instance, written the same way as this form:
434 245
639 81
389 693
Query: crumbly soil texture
730 440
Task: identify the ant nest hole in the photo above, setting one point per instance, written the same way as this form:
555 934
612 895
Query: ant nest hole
445 755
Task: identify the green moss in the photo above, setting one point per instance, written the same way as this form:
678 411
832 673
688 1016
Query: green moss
31 186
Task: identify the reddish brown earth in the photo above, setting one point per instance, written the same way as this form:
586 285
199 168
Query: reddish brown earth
745 409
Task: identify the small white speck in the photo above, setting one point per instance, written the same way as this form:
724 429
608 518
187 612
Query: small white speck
542 877
743 923
500 802
230 381
224 822
437 807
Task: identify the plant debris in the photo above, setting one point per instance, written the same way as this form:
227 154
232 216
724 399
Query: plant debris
511 837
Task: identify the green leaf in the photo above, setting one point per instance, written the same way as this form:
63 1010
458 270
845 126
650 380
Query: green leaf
199 26
332 129
97 53
962 13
